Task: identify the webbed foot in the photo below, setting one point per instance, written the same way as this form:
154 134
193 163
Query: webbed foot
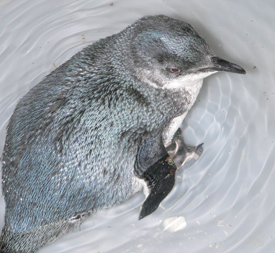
78 219
181 152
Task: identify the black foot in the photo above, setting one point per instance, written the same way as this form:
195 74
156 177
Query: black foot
79 218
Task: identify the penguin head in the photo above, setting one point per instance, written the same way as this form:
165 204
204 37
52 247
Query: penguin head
166 51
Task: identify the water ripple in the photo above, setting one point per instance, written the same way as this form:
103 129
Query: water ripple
227 196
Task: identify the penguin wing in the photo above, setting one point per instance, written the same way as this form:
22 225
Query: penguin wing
160 179
157 169
149 153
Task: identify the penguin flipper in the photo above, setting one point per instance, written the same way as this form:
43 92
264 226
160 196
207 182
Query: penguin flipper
155 166
161 179
149 153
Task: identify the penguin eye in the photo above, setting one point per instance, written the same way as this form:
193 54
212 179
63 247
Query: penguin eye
175 70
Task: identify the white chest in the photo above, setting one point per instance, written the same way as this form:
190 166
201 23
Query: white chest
190 92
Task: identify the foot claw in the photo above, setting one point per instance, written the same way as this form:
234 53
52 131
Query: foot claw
198 151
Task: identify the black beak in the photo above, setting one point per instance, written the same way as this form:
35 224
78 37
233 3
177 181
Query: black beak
223 65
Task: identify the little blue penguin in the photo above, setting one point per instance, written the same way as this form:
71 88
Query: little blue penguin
102 126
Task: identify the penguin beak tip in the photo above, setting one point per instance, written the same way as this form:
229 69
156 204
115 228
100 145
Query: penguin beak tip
223 65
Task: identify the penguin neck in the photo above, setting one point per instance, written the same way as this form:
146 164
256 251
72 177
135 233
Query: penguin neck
181 93
189 91
187 87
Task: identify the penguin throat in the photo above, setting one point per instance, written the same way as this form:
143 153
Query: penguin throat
189 95
188 87
189 81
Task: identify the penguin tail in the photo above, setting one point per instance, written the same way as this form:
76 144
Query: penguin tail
31 240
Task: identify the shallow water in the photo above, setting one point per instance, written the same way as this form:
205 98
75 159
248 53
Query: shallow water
227 197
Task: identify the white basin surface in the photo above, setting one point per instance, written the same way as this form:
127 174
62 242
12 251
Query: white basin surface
225 201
